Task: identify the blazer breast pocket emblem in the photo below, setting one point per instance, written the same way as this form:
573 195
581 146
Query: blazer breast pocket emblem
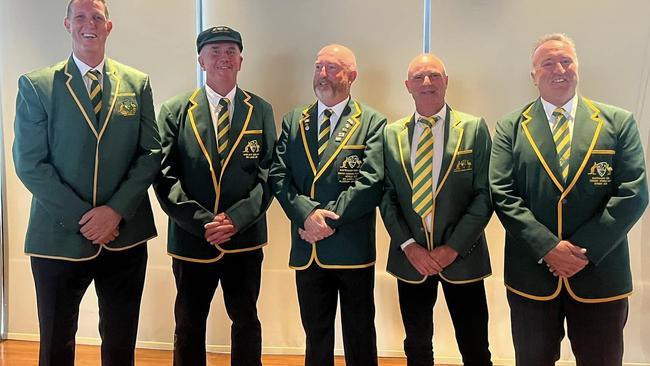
463 165
600 174
252 149
127 108
349 169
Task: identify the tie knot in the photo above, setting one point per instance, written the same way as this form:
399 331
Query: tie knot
328 113
429 121
93 74
224 102
558 112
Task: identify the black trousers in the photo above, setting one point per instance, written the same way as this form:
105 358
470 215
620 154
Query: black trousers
595 330
468 309
318 292
196 283
60 286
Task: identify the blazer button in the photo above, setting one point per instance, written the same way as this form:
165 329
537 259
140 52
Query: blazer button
421 229
564 201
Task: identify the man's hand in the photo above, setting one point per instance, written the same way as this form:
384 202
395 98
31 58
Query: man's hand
99 224
444 255
220 229
315 226
566 259
422 260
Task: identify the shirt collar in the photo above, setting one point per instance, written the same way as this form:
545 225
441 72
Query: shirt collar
336 109
84 68
570 107
214 97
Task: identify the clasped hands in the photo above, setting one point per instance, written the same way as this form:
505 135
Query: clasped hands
566 259
430 262
100 224
220 229
315 226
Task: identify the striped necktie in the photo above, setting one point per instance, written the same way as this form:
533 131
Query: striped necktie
223 127
422 199
95 92
324 133
562 139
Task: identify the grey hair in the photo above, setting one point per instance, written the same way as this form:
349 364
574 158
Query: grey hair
561 37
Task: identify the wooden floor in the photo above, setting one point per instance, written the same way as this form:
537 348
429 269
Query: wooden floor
14 353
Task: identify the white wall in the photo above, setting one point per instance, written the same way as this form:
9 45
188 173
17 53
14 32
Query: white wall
486 48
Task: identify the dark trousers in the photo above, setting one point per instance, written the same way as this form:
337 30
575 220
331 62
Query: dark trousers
468 309
595 330
196 283
60 286
318 292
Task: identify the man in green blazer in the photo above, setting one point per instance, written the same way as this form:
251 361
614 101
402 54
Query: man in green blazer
435 207
326 174
87 148
568 182
218 144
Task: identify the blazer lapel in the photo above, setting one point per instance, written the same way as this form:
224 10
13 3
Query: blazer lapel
201 120
110 89
79 93
308 126
238 124
453 138
586 129
404 139
537 130
238 119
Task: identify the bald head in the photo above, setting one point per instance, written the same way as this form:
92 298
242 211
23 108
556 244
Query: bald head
427 83
343 54
426 58
335 71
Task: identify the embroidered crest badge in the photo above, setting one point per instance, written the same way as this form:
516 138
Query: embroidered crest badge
252 149
463 165
600 173
127 108
349 169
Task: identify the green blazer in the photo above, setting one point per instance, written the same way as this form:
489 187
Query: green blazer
347 180
193 186
462 206
605 194
72 163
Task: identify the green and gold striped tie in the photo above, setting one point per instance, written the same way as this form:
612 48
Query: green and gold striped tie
95 92
422 199
324 132
223 127
562 139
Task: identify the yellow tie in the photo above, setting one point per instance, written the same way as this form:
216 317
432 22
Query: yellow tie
324 133
95 92
422 199
562 140
223 127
